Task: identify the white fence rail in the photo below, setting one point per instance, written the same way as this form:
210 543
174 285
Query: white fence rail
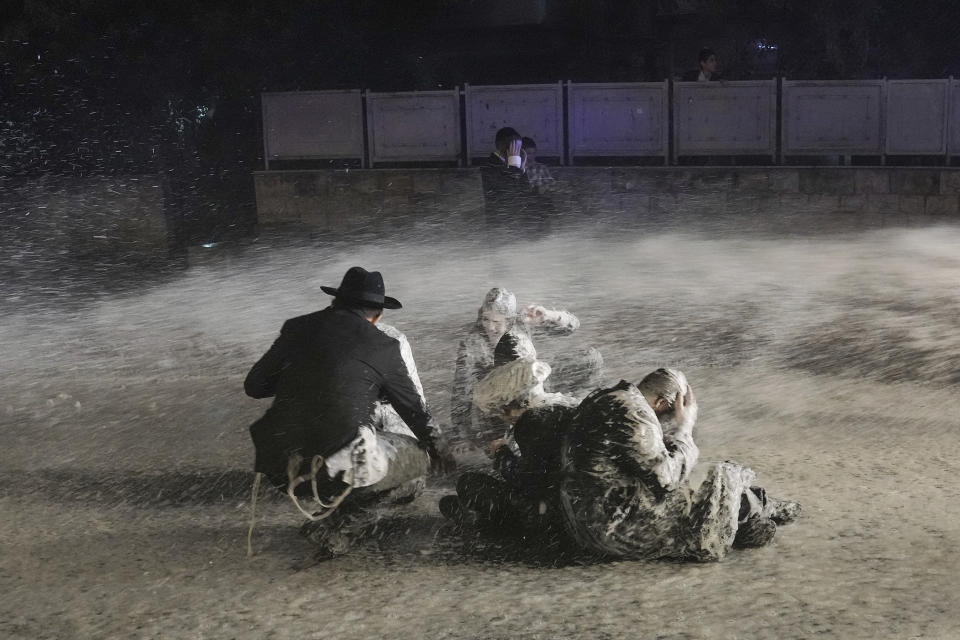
580 120
306 125
622 119
414 126
832 117
535 110
730 118
916 117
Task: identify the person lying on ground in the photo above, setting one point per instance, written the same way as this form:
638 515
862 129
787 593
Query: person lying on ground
631 486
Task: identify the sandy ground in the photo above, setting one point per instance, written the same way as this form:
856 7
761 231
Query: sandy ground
827 360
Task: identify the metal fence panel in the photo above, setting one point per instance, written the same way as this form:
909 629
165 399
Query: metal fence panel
414 126
842 117
312 124
622 119
535 110
953 110
916 117
728 118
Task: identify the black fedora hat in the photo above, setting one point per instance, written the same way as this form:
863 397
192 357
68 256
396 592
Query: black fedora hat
364 288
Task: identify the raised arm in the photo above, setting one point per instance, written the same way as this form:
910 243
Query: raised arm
555 321
406 398
406 353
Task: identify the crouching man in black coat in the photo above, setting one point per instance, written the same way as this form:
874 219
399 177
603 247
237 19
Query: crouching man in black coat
328 372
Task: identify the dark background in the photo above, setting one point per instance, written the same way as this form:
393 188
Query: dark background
108 87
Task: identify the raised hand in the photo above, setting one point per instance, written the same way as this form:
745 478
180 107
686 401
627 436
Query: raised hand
535 314
685 409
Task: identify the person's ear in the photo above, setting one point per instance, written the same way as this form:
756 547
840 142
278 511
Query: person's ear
660 404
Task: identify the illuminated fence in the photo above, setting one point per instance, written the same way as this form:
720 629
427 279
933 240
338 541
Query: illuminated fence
623 119
418 126
309 125
536 110
843 118
953 108
732 118
917 117
572 121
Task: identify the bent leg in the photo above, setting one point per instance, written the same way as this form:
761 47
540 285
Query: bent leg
407 467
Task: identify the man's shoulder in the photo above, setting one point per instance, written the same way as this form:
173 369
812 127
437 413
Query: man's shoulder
391 332
306 320
495 166
386 339
336 322
551 416
495 161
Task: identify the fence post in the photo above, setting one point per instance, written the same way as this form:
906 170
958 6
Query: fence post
263 132
467 121
365 160
567 128
884 96
671 120
782 116
665 123
947 127
775 125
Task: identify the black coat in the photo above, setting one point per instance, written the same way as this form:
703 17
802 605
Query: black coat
693 75
510 203
327 370
539 434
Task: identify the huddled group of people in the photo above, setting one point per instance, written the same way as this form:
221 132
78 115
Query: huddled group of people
544 450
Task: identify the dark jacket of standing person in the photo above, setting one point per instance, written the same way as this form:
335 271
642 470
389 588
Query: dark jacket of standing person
327 371
510 202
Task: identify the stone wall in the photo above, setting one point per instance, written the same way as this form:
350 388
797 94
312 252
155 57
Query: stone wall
371 199
774 190
376 198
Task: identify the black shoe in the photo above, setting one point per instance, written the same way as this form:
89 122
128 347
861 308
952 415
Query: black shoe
505 462
755 532
784 511
328 543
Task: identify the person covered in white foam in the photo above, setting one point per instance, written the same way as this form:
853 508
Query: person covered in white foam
632 487
577 370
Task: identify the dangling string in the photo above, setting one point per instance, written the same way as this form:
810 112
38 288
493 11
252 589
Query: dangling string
253 512
296 480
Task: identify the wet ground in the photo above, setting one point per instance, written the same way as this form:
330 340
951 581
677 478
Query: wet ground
825 354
